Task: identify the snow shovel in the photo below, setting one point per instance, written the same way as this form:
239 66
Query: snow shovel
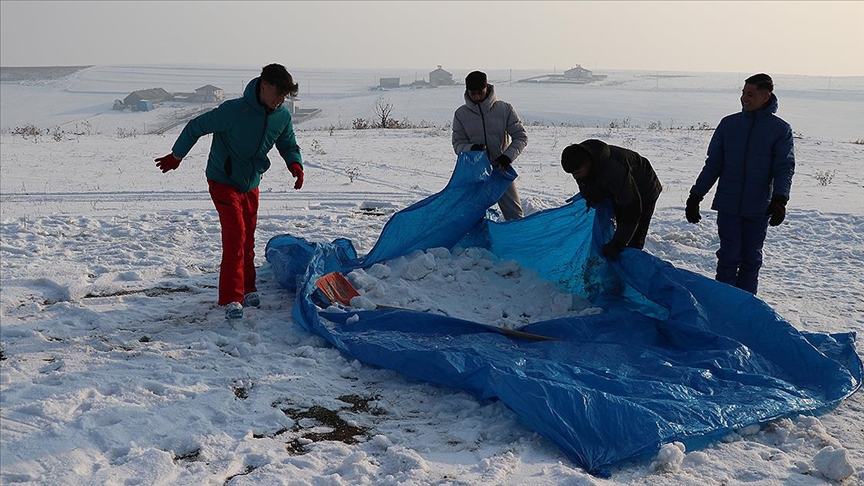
337 288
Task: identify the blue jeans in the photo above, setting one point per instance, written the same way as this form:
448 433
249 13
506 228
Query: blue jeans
740 255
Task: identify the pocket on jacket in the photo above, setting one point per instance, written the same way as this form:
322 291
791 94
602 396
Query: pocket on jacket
228 166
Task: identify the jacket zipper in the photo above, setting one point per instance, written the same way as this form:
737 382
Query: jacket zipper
257 150
746 158
485 141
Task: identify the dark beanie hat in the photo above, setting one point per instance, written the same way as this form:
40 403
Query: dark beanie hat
574 156
475 81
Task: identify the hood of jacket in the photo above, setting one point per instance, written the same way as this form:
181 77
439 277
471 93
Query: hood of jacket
598 149
769 109
600 153
250 95
484 105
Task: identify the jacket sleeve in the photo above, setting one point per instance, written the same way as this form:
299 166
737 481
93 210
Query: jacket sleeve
627 203
783 164
287 146
220 119
713 164
518 135
460 140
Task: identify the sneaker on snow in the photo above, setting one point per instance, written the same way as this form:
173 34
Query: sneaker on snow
234 310
251 300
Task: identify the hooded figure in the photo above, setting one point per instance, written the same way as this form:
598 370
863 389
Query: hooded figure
486 123
244 130
609 173
751 158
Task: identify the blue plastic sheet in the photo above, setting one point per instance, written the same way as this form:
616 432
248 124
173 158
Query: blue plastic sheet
675 356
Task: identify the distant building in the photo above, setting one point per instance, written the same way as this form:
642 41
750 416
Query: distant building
300 114
388 83
154 95
209 94
144 105
578 72
440 77
575 76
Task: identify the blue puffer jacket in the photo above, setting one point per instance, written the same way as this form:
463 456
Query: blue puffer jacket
243 133
752 155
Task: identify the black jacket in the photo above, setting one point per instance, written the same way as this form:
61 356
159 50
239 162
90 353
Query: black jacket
623 177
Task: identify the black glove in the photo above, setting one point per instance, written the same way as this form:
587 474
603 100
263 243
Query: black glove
477 147
503 162
612 249
777 210
692 210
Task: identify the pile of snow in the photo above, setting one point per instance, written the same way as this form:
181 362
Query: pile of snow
834 463
469 283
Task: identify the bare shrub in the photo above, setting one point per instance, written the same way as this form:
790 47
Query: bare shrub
360 124
825 177
28 130
353 173
383 109
126 132
316 147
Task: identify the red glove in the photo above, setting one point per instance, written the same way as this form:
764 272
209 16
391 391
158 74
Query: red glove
297 171
169 162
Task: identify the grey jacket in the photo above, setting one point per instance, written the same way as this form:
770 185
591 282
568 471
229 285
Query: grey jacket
493 123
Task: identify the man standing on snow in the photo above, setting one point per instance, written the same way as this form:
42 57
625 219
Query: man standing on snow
609 173
244 131
751 153
486 123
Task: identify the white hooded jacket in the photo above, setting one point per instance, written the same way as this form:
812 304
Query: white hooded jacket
493 123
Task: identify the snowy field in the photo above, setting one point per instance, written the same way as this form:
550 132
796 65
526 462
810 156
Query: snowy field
117 367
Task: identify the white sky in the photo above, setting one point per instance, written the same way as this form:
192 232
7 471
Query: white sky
788 37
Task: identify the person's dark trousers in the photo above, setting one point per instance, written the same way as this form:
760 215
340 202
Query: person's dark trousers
638 239
740 255
238 216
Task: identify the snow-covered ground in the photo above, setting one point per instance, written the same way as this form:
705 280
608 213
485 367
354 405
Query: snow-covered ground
117 367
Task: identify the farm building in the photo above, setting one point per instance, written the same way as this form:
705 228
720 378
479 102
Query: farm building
209 94
578 72
440 77
388 83
154 95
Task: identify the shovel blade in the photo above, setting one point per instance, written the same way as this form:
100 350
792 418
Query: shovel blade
337 288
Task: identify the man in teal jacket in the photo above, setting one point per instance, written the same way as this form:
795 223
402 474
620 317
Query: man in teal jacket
244 131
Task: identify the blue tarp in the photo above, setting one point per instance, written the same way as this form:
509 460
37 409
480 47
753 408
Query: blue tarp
675 356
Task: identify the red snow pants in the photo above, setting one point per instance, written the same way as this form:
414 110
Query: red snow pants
238 216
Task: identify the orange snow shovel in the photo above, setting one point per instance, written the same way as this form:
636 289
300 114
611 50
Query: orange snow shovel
337 288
